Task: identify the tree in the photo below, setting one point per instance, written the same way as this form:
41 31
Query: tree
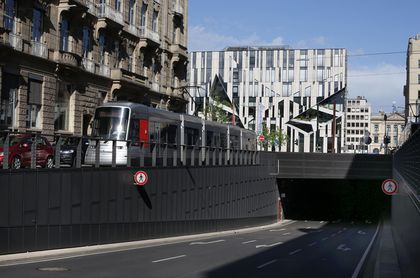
214 111
273 138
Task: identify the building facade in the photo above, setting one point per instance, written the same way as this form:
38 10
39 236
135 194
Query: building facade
392 128
358 113
412 87
60 59
294 90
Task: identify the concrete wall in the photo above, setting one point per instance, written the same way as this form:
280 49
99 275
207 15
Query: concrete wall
406 206
41 209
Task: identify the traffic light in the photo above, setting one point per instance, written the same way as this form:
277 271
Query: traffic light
387 140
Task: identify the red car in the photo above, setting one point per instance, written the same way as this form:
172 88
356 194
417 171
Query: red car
20 151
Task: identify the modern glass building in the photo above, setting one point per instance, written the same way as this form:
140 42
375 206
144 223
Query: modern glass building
300 91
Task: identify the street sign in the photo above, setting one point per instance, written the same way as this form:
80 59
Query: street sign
389 187
140 178
261 138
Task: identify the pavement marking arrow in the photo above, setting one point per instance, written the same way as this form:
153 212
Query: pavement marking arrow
268 245
208 242
343 248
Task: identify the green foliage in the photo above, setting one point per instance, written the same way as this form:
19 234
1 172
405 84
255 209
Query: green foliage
273 138
214 111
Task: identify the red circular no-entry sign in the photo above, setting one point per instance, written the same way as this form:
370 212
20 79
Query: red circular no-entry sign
140 178
261 138
389 187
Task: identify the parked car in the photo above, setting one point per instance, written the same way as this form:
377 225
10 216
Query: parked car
20 151
68 150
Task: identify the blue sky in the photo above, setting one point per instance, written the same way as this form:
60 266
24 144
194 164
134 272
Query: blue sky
362 27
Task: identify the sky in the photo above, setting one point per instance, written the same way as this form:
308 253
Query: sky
374 32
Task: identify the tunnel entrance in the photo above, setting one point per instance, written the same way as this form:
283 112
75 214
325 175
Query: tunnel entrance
326 199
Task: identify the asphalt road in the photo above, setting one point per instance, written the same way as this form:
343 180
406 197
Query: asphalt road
299 249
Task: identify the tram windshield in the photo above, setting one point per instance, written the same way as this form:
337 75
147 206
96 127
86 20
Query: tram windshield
111 123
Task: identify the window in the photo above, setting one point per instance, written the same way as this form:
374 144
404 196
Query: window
418 81
320 58
131 12
419 63
252 59
9 15
118 5
64 34
269 62
34 103
235 91
8 99
303 75
155 17
287 89
61 110
376 126
143 15
101 44
37 25
375 139
86 44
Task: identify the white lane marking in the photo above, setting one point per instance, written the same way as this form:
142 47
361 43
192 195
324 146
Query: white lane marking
294 252
321 222
246 242
268 245
339 232
344 229
333 235
277 230
312 244
168 259
308 228
325 238
306 221
285 234
343 248
208 242
362 260
361 233
267 263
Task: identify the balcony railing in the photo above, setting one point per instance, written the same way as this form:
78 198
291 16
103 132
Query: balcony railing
89 65
155 86
107 12
150 34
39 49
15 41
104 70
133 30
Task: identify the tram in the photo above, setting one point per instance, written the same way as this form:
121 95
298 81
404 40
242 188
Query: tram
155 130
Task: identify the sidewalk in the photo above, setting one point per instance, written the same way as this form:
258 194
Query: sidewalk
383 260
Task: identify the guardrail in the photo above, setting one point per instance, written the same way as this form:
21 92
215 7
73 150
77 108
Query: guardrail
143 154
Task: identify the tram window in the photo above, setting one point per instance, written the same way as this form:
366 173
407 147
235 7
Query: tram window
209 139
164 134
217 140
134 131
172 131
154 132
192 136
223 140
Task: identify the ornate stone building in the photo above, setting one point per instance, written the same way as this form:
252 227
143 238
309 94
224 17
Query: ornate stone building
59 59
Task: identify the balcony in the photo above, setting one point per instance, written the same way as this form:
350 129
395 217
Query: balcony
66 58
178 49
104 70
15 41
133 30
155 86
88 65
39 49
105 11
149 34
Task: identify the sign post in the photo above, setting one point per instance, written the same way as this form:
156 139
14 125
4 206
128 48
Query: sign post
140 178
389 187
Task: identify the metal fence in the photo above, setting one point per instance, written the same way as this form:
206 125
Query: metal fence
150 153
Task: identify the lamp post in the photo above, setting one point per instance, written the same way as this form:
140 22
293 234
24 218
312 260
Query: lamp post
386 136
